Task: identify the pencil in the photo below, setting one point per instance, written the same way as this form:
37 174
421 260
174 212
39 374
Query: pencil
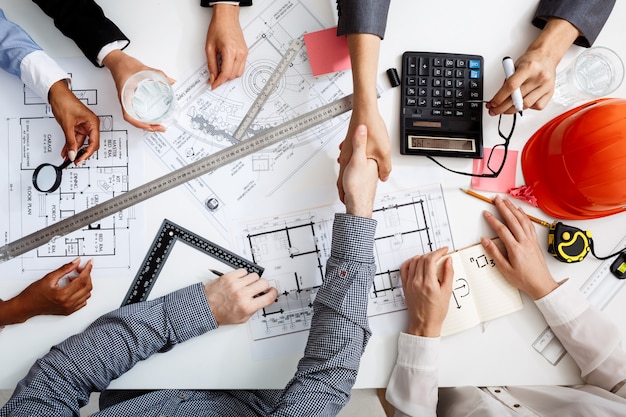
490 201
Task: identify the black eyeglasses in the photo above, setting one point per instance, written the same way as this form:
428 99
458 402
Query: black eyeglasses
494 171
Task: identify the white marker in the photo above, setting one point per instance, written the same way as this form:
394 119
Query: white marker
509 69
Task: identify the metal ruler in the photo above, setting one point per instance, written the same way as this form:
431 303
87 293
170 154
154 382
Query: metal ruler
599 288
268 88
177 177
169 233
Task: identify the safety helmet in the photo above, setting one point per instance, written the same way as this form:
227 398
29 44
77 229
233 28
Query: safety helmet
575 165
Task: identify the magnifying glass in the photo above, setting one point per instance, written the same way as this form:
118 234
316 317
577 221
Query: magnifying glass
47 177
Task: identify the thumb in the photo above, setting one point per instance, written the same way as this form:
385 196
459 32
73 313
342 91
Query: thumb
359 142
70 142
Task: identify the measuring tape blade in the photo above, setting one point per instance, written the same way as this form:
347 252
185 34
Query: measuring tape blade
268 88
177 177
599 288
169 233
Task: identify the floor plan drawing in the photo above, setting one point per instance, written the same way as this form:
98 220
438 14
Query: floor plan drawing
208 118
294 249
33 137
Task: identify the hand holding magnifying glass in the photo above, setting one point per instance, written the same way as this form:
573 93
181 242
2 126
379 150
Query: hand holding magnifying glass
47 177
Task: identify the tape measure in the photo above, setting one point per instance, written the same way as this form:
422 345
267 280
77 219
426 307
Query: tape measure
169 233
177 177
568 243
599 288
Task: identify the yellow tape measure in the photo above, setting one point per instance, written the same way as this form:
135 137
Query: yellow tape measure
568 243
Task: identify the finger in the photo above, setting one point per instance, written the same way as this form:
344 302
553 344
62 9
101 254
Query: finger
359 143
265 299
447 277
70 142
94 144
211 59
384 169
430 267
498 257
507 211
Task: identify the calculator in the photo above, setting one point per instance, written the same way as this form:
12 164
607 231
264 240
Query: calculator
441 108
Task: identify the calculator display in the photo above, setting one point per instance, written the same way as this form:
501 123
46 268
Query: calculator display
441 108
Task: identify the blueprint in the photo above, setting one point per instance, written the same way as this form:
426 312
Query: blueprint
293 249
209 118
31 136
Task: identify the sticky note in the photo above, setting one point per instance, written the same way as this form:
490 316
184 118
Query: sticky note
503 182
327 51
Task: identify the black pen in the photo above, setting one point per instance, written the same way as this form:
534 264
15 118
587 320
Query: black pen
216 272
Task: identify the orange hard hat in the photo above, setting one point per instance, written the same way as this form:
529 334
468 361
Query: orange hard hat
575 165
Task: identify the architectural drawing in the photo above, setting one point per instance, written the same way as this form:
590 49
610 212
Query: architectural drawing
294 249
32 137
208 118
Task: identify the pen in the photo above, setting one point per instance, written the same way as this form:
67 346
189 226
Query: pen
509 69
490 201
216 272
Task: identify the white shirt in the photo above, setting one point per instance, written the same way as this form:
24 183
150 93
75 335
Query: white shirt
593 341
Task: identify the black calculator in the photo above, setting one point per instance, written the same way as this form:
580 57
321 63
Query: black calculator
441 109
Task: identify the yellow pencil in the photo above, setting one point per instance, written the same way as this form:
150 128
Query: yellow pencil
490 201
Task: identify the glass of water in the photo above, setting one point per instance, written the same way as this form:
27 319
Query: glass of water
148 97
596 72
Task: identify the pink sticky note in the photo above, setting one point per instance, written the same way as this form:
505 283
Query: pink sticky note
327 51
503 182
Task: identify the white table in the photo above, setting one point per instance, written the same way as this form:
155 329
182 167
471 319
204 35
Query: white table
170 35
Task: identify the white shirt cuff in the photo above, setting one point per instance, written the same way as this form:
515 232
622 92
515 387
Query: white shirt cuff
234 3
109 47
39 72
418 352
562 305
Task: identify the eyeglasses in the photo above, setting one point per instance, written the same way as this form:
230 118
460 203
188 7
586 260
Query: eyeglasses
492 166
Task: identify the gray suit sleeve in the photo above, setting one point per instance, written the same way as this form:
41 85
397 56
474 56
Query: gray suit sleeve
362 16
588 16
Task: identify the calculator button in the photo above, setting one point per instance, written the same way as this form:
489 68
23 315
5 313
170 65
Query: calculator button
459 113
423 66
460 63
448 83
474 105
410 91
411 66
437 102
422 92
421 102
448 103
448 62
437 62
473 84
459 83
474 63
447 112
436 92
410 101
422 81
410 81
447 93
474 74
437 82
459 73
448 73
437 72
436 112
459 93
474 95
460 104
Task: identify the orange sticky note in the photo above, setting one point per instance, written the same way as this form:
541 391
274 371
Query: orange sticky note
327 51
503 182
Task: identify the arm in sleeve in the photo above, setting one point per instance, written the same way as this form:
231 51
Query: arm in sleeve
413 386
84 22
362 16
339 328
590 337
22 57
59 384
588 16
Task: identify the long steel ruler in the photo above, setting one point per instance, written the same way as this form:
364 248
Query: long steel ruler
268 88
169 233
599 288
177 177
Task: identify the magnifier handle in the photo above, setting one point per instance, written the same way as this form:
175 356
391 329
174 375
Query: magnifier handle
67 161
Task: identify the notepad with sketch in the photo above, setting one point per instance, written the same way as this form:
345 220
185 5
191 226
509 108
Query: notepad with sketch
480 291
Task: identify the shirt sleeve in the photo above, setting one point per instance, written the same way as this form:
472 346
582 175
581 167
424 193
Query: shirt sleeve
588 16
60 383
22 57
84 22
590 337
339 328
413 385
210 3
362 16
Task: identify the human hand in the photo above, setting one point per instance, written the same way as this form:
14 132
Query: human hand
535 75
427 290
122 67
236 296
360 177
226 49
378 147
76 121
524 265
49 296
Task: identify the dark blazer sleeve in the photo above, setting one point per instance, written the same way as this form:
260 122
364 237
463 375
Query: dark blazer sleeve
589 16
84 22
206 3
362 16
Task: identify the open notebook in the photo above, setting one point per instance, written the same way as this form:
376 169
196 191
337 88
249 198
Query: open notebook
480 291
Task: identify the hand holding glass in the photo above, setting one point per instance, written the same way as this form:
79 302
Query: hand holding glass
148 97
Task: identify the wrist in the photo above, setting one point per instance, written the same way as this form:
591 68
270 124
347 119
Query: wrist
14 312
555 39
424 329
225 11
543 289
356 208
